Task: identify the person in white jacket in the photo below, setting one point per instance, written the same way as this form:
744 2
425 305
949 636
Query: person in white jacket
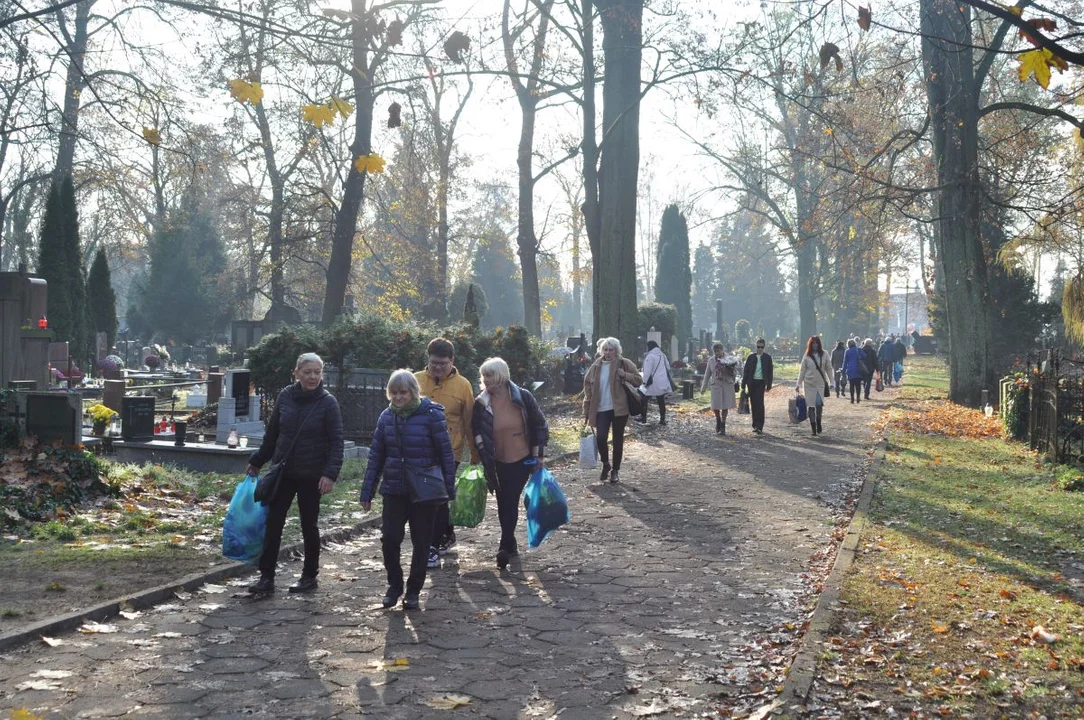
814 381
656 380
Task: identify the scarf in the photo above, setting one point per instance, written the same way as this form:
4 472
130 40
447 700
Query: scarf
405 411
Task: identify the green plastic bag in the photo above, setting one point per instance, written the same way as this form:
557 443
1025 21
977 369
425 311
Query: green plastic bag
469 506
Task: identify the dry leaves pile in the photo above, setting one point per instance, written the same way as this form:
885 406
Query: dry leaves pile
943 418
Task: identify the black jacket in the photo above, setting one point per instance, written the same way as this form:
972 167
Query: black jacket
318 451
751 367
538 432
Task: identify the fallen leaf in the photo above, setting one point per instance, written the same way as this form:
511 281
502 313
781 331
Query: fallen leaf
24 714
51 674
938 628
448 702
37 685
93 627
1043 635
52 642
130 615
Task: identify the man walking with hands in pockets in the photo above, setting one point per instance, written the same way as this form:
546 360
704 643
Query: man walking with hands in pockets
757 380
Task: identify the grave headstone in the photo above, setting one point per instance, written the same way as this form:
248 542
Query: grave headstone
675 348
655 335
24 347
54 417
137 418
113 394
214 386
237 387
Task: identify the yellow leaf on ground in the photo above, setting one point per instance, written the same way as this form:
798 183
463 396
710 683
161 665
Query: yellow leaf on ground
448 702
24 714
938 628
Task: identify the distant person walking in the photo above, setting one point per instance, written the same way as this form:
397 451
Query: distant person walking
411 432
900 354
886 359
869 365
853 362
306 428
510 433
813 381
838 353
756 380
656 380
605 405
441 382
721 374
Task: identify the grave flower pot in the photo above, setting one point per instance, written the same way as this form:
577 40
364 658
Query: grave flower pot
98 429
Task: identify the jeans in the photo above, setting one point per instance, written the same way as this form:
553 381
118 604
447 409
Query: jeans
756 403
603 422
308 503
512 477
397 511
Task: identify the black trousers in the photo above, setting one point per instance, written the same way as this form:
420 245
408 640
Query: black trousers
308 502
841 380
442 523
398 511
661 401
603 422
512 477
756 403
886 372
867 382
856 389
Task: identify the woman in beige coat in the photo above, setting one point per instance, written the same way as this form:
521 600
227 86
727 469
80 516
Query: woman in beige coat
605 404
813 381
721 374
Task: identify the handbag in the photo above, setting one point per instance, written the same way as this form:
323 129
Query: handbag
425 484
635 399
268 484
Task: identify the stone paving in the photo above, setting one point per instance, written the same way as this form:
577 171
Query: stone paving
681 592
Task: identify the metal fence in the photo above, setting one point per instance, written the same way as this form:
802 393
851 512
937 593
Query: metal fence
1055 406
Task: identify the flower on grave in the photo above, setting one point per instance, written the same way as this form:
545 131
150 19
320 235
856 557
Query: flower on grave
152 361
100 414
161 351
110 364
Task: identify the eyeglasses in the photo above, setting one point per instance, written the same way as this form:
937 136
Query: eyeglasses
760 347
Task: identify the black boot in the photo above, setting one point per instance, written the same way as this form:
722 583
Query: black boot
813 422
820 415
266 584
718 426
662 414
722 427
306 583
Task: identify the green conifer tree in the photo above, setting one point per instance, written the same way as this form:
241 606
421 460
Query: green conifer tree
673 273
101 300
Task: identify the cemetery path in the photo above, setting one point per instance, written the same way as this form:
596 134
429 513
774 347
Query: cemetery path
681 591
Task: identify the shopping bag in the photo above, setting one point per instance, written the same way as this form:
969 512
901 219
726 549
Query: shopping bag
880 383
588 450
469 507
743 404
800 409
547 508
245 524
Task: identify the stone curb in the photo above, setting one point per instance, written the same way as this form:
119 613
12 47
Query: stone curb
152 596
803 669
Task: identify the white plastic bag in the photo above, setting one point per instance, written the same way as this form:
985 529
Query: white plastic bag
588 451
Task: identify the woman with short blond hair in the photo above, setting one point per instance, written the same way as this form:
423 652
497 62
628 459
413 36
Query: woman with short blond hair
411 431
605 404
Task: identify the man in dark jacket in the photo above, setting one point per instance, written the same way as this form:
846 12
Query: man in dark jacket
886 358
756 380
869 366
306 429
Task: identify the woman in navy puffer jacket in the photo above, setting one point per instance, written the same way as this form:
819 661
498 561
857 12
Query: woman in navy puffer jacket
413 430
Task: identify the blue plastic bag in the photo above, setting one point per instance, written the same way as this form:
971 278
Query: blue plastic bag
800 406
245 524
547 508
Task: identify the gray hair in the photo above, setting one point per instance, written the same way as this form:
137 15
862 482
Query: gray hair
497 369
307 358
609 342
852 343
867 341
403 380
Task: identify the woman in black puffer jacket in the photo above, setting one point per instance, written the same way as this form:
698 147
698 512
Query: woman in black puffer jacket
412 430
311 469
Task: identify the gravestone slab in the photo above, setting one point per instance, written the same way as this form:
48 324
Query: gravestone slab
54 417
113 394
137 418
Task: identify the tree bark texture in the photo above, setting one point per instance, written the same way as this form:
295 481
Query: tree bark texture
589 150
953 105
74 84
346 216
615 273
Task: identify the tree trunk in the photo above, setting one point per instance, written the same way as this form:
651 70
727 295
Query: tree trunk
616 272
346 217
953 103
73 88
275 216
806 253
525 238
589 150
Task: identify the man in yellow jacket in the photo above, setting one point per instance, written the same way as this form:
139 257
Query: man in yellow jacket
442 383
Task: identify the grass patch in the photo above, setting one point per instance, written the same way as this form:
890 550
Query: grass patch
961 579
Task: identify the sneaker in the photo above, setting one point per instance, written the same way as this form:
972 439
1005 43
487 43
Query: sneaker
434 558
447 545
